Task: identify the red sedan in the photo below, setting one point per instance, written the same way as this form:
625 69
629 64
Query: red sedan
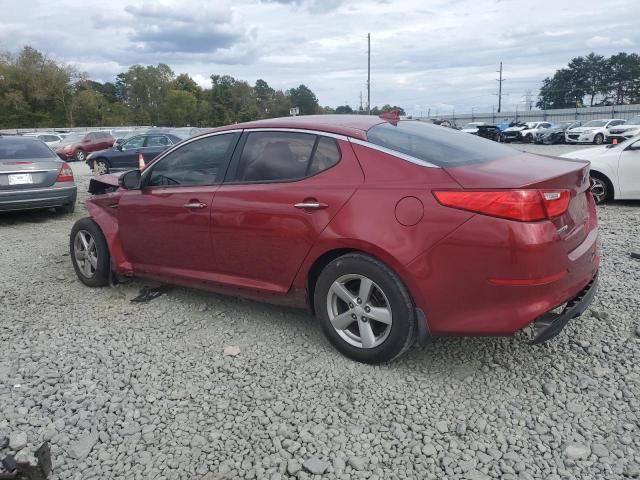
390 231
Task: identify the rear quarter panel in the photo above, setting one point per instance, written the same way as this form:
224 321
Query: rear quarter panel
368 221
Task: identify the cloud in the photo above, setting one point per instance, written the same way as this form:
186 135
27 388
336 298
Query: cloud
598 41
444 54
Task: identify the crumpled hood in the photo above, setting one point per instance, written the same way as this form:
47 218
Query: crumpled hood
97 184
515 129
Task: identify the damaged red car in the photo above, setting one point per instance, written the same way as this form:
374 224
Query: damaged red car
390 231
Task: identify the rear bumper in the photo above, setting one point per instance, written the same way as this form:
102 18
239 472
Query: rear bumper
550 324
492 277
55 196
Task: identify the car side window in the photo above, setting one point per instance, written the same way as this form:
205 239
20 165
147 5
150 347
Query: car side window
201 162
134 142
275 156
327 154
158 141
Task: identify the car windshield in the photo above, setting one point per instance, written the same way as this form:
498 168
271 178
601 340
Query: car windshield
596 123
531 124
73 138
435 145
11 148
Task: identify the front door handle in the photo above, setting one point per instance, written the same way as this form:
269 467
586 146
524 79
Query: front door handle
311 205
195 205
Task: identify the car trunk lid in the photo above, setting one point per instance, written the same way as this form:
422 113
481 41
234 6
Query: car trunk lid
528 171
23 174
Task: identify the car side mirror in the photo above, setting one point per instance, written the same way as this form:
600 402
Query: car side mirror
118 146
130 180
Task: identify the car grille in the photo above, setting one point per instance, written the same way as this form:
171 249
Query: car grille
574 136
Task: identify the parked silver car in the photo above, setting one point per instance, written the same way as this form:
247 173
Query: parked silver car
32 176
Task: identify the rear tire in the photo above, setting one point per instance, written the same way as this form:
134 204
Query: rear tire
598 139
100 167
90 253
66 209
364 309
80 156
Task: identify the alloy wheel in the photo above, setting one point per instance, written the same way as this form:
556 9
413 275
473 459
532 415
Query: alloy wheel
100 168
86 253
80 156
599 189
359 311
598 139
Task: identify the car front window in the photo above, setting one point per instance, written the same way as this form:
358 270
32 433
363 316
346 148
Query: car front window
595 123
201 162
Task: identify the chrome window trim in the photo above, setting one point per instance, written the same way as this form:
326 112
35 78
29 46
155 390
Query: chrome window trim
388 151
299 130
175 146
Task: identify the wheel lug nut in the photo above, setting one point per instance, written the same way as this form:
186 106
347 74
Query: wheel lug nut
351 305
359 300
354 316
364 319
367 309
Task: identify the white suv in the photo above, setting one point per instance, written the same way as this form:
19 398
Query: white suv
626 131
595 131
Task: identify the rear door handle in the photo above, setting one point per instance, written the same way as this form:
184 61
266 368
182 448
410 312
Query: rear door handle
311 205
195 205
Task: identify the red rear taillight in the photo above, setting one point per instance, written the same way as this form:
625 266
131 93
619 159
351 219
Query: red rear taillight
523 205
65 174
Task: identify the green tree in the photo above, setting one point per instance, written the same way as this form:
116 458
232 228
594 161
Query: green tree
178 108
303 98
342 109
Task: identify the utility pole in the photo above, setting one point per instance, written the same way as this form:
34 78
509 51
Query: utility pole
360 110
500 80
369 73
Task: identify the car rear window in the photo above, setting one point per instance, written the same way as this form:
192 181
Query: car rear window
436 145
23 148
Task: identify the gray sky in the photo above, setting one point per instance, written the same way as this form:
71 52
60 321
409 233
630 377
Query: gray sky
437 54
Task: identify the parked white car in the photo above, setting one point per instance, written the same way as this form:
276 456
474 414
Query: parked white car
525 132
52 139
472 127
615 170
595 131
625 131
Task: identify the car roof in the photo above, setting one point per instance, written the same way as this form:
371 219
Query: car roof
349 125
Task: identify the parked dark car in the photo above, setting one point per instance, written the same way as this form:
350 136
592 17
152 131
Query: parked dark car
32 176
76 146
464 239
125 156
554 135
490 132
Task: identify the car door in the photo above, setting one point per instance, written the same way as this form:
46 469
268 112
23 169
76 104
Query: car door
282 190
164 225
125 157
629 171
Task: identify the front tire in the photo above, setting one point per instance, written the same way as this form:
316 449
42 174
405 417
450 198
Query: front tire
80 156
598 139
364 309
90 253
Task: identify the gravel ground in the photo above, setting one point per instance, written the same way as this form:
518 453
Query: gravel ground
144 390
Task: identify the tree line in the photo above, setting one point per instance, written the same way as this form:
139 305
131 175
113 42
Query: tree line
593 80
38 91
